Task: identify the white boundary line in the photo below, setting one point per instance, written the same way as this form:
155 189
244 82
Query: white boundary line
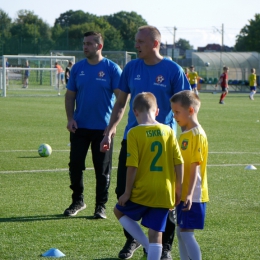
67 169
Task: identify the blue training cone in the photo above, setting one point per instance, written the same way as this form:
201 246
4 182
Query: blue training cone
53 252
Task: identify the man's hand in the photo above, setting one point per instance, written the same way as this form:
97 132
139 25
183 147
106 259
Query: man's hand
72 126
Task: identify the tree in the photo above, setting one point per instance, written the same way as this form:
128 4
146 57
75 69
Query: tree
71 26
5 25
183 44
30 34
249 36
127 24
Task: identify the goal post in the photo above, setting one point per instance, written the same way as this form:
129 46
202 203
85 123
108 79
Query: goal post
43 76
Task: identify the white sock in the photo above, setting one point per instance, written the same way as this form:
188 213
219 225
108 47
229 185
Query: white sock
182 248
155 251
196 92
134 229
192 245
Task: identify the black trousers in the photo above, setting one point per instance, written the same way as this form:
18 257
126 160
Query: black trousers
168 235
80 143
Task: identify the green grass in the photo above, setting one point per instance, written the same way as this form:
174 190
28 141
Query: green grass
35 191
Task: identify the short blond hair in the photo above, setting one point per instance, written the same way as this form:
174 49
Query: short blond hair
145 101
153 32
253 70
187 99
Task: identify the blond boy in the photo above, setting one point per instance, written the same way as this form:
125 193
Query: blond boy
154 176
194 149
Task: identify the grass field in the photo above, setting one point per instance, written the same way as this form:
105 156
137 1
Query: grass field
35 191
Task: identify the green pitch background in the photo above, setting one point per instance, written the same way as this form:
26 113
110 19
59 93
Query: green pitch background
34 191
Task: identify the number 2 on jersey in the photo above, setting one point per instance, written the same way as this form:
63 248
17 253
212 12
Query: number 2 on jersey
156 146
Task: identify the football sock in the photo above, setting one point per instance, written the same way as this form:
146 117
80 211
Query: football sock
192 245
134 229
182 248
155 251
196 92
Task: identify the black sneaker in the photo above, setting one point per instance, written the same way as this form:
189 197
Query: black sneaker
74 208
100 212
128 249
166 255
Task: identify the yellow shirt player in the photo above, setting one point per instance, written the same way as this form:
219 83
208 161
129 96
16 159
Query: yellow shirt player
194 148
252 84
193 79
154 176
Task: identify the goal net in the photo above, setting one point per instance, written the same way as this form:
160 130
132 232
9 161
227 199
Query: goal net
41 78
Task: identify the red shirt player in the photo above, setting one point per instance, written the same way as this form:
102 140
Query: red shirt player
223 81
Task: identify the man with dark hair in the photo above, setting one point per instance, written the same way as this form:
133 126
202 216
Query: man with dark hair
89 100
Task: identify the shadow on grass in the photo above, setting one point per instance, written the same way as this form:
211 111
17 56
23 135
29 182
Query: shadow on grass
41 218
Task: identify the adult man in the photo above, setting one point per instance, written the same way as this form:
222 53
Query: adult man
163 77
223 81
89 101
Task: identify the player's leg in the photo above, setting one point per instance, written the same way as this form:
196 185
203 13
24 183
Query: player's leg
131 244
79 145
252 92
155 219
168 235
188 221
128 215
103 167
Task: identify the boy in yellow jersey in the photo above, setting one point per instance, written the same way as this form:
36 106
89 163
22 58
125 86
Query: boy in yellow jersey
154 176
193 79
252 84
194 149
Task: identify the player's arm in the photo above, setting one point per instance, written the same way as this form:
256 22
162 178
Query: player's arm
116 116
192 184
130 178
70 98
179 170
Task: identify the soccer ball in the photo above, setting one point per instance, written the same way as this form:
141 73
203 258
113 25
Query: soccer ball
207 64
44 150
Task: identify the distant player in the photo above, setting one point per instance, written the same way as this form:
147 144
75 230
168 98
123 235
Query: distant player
223 81
252 84
26 75
193 79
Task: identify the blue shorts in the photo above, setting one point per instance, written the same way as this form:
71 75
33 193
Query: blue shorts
192 219
154 218
193 86
253 88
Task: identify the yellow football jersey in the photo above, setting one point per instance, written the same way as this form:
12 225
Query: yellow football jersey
154 150
194 148
252 80
193 77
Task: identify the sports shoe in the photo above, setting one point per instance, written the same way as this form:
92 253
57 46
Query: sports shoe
166 255
128 249
221 102
100 212
74 208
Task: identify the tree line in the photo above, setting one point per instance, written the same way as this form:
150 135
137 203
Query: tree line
29 34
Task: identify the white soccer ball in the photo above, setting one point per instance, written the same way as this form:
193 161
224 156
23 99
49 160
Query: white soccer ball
207 64
44 150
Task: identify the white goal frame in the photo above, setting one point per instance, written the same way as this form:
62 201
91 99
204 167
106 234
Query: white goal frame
28 57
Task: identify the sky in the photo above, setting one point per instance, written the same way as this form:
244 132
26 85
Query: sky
199 22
